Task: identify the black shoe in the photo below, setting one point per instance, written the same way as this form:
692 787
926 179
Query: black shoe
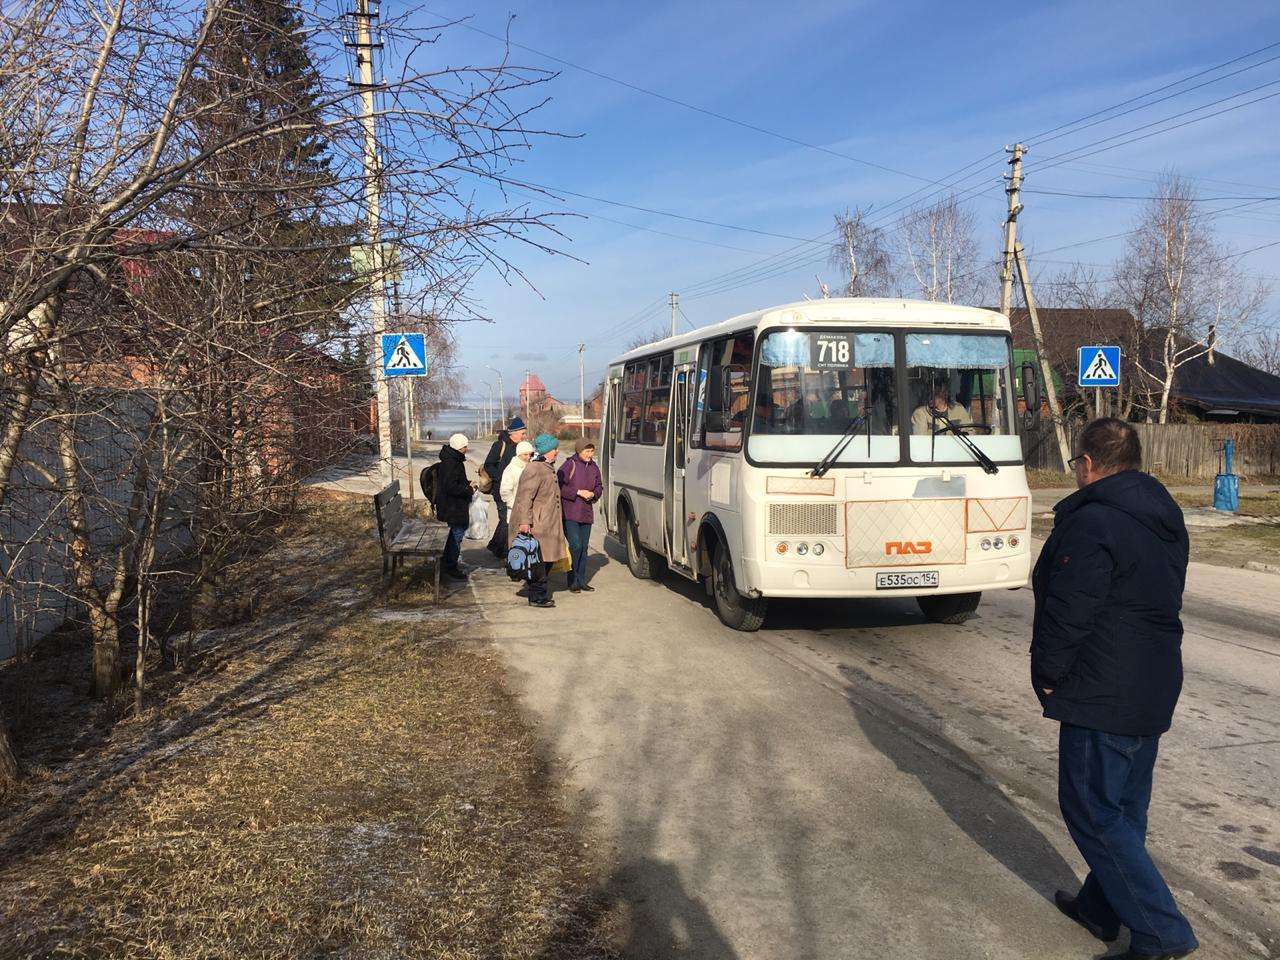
575 589
587 588
1071 909
457 573
542 603
1130 955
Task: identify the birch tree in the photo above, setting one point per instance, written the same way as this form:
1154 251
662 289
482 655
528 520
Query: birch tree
861 253
939 250
1183 285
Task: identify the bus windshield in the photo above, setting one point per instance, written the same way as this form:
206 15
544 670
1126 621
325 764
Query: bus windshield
963 379
812 385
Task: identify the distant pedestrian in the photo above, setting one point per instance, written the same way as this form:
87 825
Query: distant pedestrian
511 475
500 456
1106 663
580 488
453 501
536 510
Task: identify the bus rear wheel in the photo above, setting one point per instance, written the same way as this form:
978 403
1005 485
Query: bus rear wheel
643 563
949 607
734 610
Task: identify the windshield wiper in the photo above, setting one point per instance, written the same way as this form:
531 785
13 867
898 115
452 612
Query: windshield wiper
988 465
841 445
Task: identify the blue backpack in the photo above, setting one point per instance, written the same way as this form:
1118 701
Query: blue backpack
524 553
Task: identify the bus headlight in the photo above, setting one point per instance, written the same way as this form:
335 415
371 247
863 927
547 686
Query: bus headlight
998 543
782 548
1013 543
802 549
819 549
986 543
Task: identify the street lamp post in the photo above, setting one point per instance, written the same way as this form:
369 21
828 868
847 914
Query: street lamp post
502 396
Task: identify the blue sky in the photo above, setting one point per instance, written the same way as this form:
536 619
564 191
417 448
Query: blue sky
923 88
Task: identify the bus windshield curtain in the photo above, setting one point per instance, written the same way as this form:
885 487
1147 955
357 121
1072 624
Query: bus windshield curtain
957 351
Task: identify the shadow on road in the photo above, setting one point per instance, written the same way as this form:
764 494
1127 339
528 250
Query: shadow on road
660 918
985 815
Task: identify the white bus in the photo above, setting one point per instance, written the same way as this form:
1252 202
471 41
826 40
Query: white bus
828 448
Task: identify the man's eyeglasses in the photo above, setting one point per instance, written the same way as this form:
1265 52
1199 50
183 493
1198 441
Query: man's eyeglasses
1071 464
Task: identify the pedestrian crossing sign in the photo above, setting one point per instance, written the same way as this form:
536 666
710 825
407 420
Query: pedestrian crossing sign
404 355
1098 367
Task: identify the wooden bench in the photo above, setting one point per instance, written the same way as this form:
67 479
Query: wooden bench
400 537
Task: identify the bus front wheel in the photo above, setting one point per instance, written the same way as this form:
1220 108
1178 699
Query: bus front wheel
733 609
643 564
949 607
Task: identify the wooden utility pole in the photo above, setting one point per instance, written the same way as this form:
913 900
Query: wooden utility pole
364 43
1013 257
674 299
1046 371
1011 225
582 392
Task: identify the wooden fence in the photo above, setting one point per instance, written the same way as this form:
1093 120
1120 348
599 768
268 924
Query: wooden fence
1191 450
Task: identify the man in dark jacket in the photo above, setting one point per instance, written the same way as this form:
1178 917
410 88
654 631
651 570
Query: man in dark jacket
453 501
502 453
1106 663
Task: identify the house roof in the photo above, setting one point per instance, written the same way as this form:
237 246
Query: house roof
533 384
1227 384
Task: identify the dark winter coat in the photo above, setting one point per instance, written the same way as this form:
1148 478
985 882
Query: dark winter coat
577 474
501 453
453 489
1107 638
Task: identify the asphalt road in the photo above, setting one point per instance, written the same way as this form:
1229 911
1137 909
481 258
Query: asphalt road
854 782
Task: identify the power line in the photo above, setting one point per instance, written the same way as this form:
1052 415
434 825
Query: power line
1078 125
1068 154
1113 196
675 101
544 188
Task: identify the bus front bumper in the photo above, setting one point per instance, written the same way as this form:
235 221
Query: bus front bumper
794 577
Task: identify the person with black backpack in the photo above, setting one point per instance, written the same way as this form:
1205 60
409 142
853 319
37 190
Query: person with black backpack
495 464
453 501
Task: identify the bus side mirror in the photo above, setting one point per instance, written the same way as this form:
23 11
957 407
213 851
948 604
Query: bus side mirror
1031 389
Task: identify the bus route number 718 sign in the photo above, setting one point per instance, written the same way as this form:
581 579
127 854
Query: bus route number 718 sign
830 351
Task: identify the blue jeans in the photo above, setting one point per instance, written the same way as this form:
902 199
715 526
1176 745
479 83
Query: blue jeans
578 535
1104 787
453 546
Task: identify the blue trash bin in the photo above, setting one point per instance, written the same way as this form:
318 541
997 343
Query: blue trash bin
1226 485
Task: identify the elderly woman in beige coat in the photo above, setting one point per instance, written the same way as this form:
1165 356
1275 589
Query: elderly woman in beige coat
536 510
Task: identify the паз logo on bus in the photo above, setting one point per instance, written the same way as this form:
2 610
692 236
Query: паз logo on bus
903 547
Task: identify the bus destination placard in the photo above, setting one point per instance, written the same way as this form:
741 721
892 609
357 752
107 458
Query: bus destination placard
831 351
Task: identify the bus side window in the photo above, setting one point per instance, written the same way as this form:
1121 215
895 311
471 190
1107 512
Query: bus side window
633 385
727 396
659 401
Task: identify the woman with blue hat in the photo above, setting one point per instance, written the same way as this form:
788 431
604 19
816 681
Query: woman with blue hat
536 510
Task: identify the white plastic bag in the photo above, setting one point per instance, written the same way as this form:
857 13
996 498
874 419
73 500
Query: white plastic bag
478 517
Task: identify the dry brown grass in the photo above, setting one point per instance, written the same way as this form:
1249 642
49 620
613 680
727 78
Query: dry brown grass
322 782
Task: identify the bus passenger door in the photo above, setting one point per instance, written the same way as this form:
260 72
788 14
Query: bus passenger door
677 527
609 414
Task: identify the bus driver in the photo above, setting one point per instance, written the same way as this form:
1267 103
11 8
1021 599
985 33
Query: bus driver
923 422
